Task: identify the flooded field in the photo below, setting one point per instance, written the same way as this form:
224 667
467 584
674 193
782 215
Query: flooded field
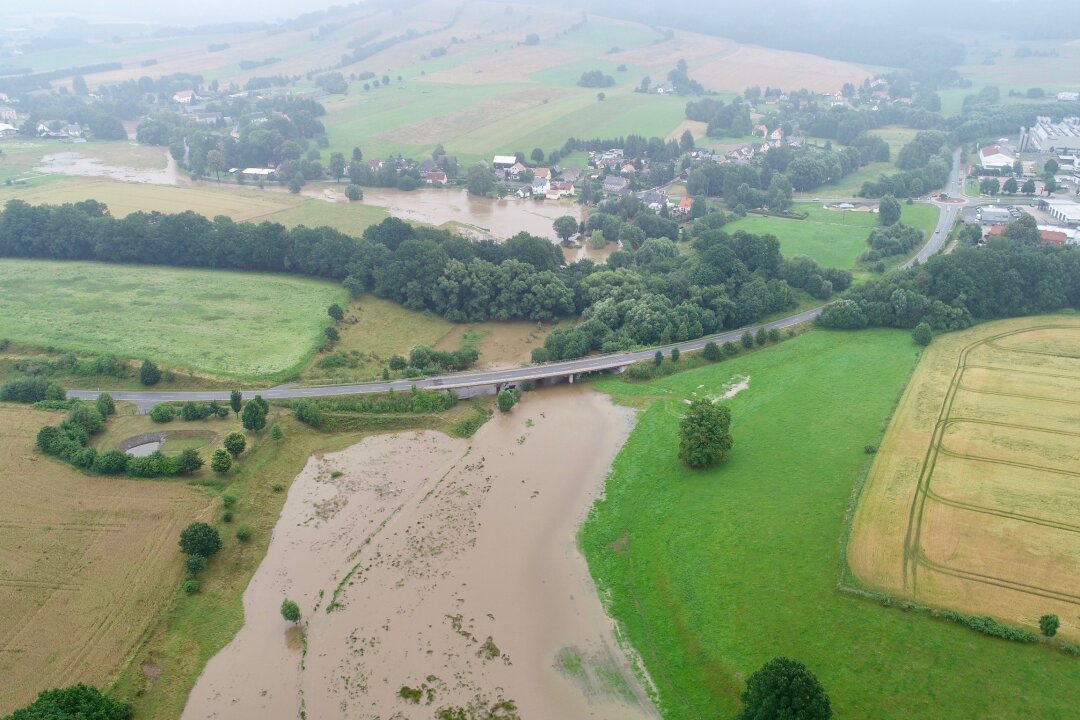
79 165
482 217
435 573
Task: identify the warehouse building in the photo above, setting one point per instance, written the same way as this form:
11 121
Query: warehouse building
1065 211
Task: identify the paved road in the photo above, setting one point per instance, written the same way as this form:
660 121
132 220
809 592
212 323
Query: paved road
145 400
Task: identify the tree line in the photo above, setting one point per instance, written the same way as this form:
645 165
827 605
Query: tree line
950 292
647 293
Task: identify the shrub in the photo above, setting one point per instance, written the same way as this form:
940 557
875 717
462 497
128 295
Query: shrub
198 538
105 405
290 610
1049 625
332 334
729 349
74 702
336 312
711 351
190 586
870 449
675 355
227 516
111 462
747 340
162 413
658 359
276 432
774 335
221 461
235 443
760 337
195 564
507 399
228 501
922 334
189 461
149 373
277 487
30 390
243 534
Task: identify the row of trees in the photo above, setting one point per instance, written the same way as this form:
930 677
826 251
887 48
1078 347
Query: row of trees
1005 278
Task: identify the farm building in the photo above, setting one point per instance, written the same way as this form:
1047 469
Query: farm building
7 130
503 162
259 173
184 97
1065 211
992 157
7 114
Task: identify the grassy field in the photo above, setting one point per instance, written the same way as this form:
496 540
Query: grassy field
246 325
376 329
711 573
832 238
972 503
88 563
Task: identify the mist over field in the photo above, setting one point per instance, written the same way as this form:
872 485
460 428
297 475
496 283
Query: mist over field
196 12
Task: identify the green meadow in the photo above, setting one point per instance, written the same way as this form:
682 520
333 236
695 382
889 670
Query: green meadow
833 238
711 573
246 325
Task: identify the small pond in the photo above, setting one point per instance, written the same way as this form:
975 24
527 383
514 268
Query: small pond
145 449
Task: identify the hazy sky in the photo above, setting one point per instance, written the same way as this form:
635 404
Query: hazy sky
187 12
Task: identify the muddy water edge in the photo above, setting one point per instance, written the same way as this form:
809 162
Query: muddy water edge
434 572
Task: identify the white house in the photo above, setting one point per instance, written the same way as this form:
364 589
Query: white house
7 114
7 130
503 162
184 97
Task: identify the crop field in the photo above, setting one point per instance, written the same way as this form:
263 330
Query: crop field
88 564
246 325
833 238
973 503
711 573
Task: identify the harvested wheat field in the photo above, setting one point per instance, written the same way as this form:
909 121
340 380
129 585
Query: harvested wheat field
86 564
973 502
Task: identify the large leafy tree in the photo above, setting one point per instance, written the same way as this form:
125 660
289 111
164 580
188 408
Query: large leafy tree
254 415
199 539
565 227
705 434
783 689
889 211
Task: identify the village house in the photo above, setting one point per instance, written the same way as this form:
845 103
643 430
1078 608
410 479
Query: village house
541 172
7 114
616 185
7 130
184 97
515 172
253 173
503 162
540 186
559 189
435 177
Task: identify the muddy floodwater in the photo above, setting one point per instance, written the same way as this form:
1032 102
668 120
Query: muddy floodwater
483 217
434 572
79 165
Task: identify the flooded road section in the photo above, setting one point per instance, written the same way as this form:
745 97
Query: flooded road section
434 572
482 217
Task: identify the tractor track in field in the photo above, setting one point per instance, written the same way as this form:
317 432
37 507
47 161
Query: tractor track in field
914 556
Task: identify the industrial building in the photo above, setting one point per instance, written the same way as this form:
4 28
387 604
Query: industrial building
994 158
1045 135
993 215
1062 210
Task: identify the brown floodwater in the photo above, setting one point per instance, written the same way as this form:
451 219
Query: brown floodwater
79 165
482 217
449 567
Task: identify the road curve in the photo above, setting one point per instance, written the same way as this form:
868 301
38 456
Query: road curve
146 399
